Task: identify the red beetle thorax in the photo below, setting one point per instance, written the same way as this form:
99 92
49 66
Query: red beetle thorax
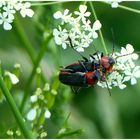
105 62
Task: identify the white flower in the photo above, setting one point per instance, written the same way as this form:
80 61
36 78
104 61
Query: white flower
114 4
86 40
25 10
132 75
126 57
119 82
5 21
64 17
54 92
18 132
43 135
79 47
75 26
47 114
38 70
12 77
80 33
87 26
60 37
82 14
31 114
96 26
9 8
10 132
9 12
46 87
33 98
38 91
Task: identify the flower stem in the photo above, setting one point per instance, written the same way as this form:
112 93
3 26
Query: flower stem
100 32
129 9
31 77
24 39
20 121
47 3
19 30
126 8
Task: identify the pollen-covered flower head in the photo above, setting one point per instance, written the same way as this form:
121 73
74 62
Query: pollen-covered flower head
75 27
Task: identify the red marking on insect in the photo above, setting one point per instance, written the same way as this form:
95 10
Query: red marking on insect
91 78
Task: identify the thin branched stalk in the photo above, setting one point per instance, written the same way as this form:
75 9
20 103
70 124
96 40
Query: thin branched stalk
47 3
25 130
125 8
19 30
31 77
100 32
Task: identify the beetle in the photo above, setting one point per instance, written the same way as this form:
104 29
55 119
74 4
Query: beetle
79 79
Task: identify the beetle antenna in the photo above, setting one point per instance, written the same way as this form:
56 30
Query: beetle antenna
108 87
126 54
70 41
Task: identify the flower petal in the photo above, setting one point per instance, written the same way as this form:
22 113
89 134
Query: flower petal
31 114
13 78
87 14
127 78
83 8
29 12
95 35
129 48
64 46
114 4
122 86
57 15
133 81
7 26
47 114
97 25
135 56
80 49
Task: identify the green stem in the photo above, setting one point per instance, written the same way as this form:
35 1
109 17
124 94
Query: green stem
20 121
47 3
24 39
126 8
100 32
129 9
31 77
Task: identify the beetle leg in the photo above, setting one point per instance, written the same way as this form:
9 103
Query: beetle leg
75 89
70 41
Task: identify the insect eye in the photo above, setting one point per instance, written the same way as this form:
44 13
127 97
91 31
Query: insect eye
97 75
111 61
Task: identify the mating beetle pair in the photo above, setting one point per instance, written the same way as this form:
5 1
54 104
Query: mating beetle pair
85 73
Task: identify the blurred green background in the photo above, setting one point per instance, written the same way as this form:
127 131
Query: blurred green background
92 109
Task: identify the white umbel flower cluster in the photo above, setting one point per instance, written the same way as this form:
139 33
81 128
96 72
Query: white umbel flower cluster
8 9
124 69
78 28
